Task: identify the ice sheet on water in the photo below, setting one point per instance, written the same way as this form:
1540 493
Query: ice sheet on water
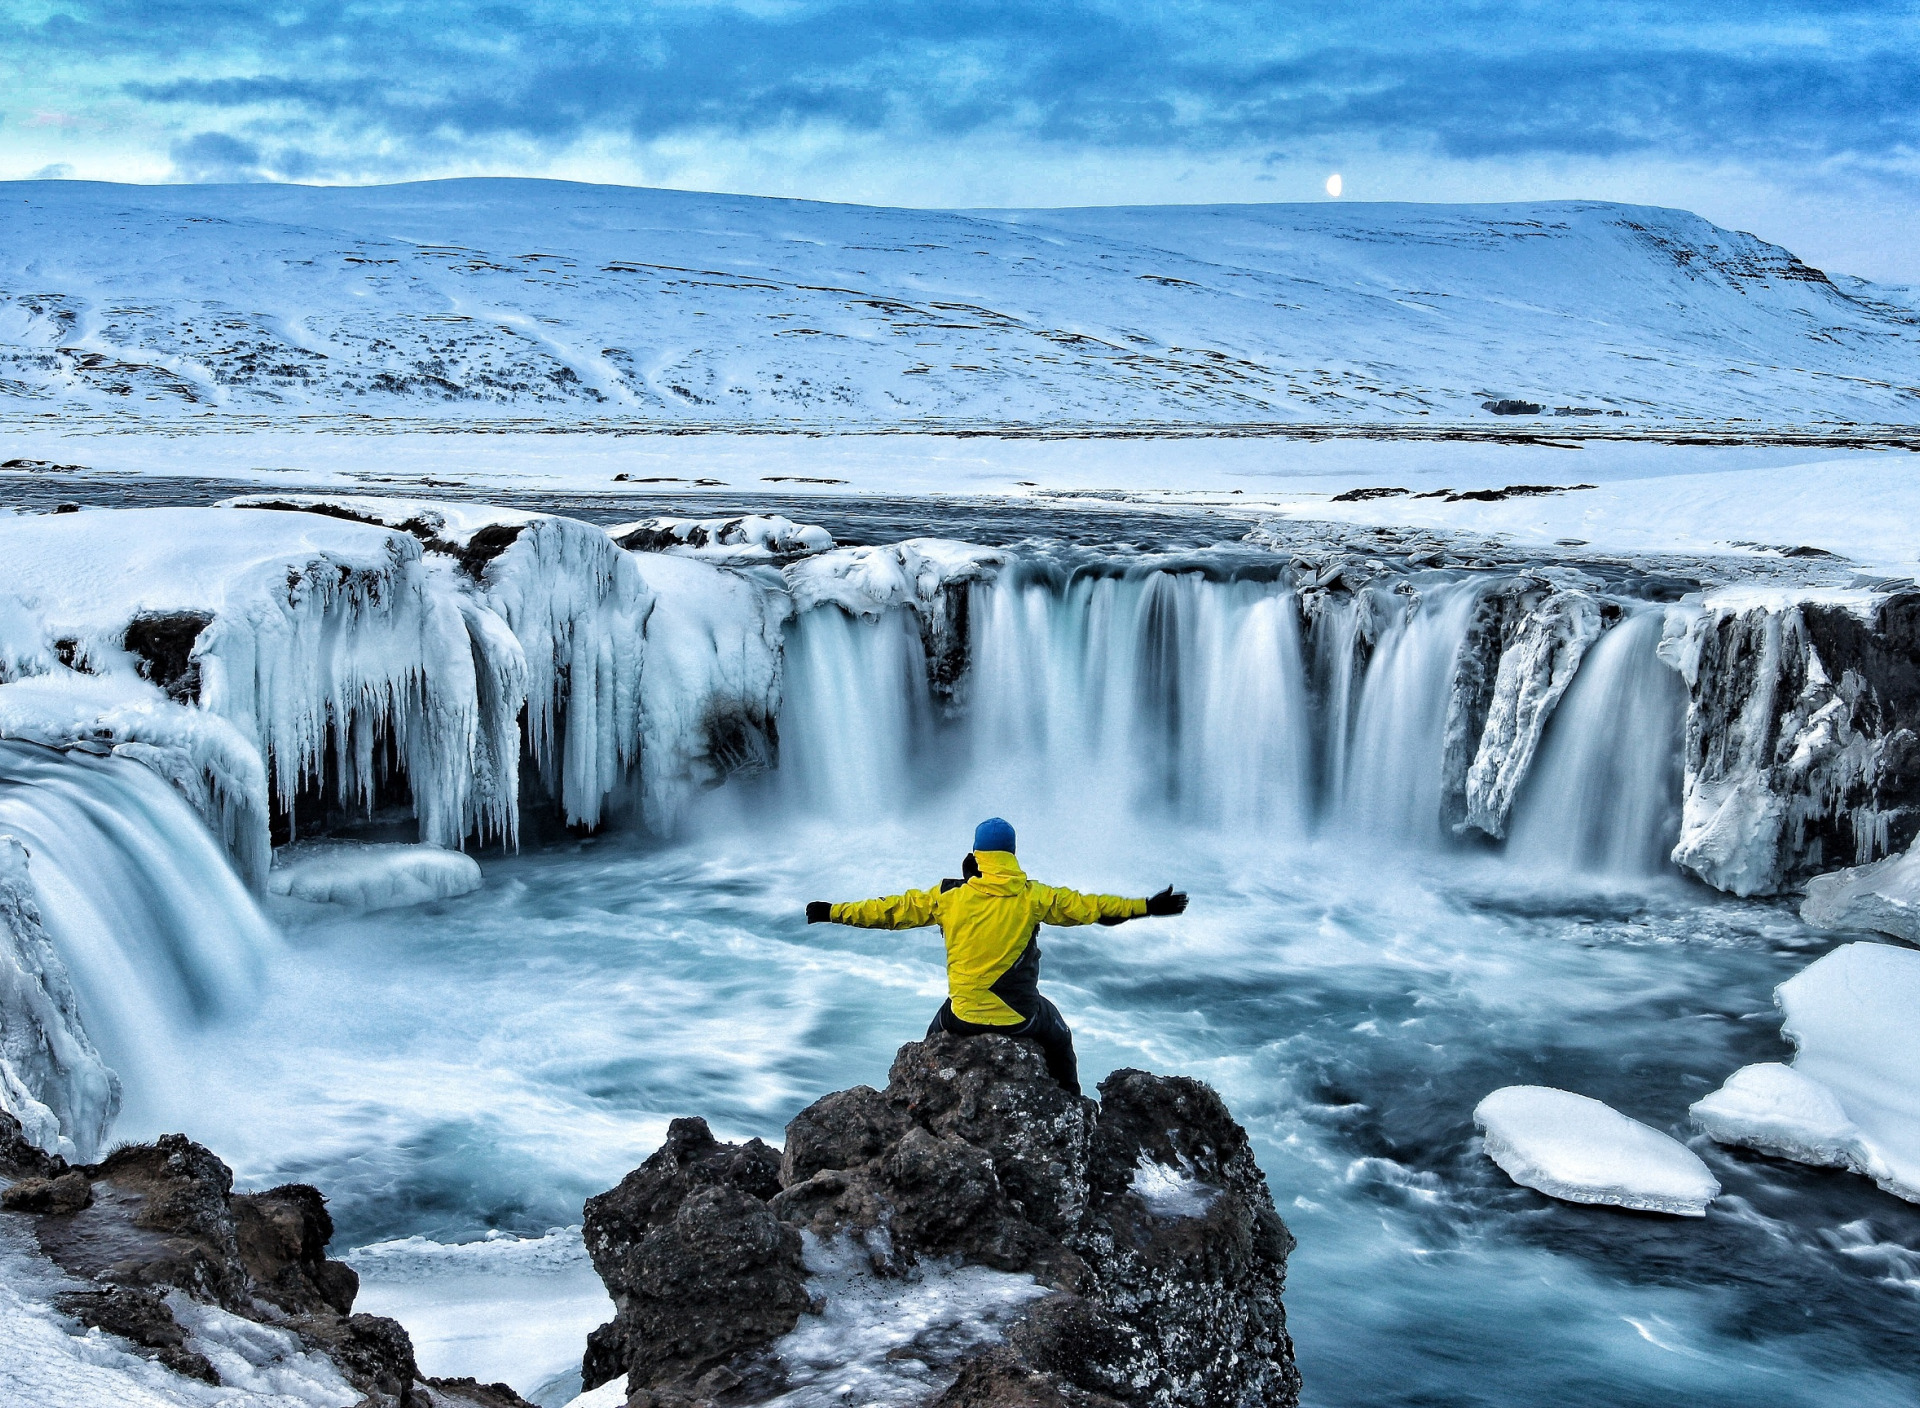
890 1340
1577 1149
367 876
1849 1099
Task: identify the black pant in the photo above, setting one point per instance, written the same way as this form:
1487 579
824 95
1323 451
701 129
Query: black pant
1046 1028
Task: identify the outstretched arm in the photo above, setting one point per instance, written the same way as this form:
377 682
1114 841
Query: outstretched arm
908 911
1058 906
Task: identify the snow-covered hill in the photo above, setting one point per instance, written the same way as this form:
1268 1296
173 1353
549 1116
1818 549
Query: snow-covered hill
564 304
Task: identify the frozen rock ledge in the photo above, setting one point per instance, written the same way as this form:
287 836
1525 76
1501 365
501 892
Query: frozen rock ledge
368 877
971 1235
1582 1151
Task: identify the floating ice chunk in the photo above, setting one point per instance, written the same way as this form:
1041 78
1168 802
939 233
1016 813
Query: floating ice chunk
1884 896
1171 1192
363 876
1775 1109
1579 1150
747 536
1851 1017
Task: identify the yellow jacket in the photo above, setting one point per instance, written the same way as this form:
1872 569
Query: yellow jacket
990 924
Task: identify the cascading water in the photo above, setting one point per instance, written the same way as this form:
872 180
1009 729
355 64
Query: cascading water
1181 695
156 930
1603 795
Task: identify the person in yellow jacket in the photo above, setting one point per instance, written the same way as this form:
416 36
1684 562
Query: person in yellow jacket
991 919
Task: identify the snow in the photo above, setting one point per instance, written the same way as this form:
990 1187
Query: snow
52 1079
1171 1192
748 537
868 581
558 303
1883 896
367 876
505 1309
49 1361
1582 1151
886 1340
1849 1099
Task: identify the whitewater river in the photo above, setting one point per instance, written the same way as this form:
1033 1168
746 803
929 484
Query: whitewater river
1349 979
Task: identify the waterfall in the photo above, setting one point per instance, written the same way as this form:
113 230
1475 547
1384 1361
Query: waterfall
1604 796
1218 701
157 932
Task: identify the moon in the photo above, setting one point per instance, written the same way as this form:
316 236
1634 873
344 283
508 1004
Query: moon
1333 185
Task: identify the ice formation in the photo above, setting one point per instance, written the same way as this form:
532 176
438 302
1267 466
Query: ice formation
1883 896
860 1346
311 636
371 876
747 537
1798 715
1849 1099
575 606
1171 1192
52 1079
1582 1151
710 697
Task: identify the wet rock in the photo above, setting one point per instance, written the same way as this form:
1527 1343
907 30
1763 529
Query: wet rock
466 1393
700 1270
20 1158
66 1194
841 1130
1146 1212
152 1219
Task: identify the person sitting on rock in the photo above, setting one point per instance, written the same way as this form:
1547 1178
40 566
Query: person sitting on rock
991 919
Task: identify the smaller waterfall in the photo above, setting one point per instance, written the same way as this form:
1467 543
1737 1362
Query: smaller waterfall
1603 797
141 904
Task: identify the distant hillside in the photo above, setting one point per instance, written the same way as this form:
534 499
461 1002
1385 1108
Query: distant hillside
560 303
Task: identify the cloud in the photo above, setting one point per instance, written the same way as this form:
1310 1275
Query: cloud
53 171
216 157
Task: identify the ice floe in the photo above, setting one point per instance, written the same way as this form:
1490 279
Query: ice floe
1883 896
1582 1151
1850 1099
368 876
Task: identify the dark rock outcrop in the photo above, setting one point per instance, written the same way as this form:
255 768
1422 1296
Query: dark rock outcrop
1803 739
1145 1214
151 1219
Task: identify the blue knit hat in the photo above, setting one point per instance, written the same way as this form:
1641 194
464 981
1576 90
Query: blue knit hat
993 834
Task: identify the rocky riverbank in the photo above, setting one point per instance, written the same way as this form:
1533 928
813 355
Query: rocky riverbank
1128 1249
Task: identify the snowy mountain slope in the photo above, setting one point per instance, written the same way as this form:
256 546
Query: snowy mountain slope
564 304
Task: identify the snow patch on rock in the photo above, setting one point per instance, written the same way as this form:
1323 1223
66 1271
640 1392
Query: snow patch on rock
1849 1100
1582 1151
369 877
746 537
1171 1192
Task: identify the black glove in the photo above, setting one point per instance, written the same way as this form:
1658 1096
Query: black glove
1167 902
820 912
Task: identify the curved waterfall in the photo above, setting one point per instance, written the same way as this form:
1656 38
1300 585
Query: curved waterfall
1230 703
156 931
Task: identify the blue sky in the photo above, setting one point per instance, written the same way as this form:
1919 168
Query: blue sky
1799 121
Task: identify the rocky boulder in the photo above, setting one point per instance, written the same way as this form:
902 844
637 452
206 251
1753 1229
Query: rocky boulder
153 1219
1143 1213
